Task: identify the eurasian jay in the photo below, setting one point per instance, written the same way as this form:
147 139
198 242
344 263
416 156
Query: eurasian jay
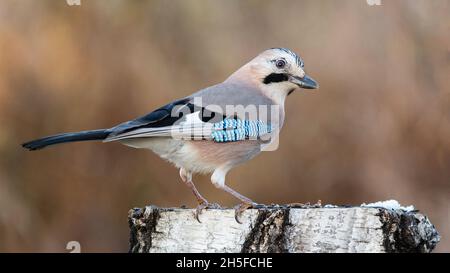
216 128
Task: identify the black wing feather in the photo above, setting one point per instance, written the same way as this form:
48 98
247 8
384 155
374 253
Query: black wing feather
158 118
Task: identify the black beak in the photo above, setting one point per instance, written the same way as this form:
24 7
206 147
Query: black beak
306 82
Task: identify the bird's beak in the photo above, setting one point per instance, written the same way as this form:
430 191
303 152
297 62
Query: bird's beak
306 82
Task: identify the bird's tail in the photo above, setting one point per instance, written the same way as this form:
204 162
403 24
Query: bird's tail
66 137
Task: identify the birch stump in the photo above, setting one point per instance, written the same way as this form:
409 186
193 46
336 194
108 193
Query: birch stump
281 229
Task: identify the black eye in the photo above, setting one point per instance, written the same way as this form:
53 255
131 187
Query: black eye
280 63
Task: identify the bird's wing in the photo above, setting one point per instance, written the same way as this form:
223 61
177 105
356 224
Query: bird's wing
167 121
199 115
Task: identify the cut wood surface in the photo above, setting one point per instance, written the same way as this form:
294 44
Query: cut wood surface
281 229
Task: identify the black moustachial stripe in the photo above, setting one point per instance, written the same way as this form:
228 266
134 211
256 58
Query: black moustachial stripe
275 77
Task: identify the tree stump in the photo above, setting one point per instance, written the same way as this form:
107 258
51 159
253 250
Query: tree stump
281 229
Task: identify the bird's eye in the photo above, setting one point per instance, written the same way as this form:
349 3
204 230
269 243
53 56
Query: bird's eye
280 63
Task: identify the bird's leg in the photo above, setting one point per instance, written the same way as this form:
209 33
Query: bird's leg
218 179
186 177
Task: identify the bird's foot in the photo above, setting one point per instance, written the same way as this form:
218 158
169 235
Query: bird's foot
239 210
202 206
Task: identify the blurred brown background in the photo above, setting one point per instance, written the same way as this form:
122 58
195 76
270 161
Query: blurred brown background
377 129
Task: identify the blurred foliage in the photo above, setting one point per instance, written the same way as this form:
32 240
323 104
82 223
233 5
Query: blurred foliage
377 129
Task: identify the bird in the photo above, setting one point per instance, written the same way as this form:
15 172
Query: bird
216 128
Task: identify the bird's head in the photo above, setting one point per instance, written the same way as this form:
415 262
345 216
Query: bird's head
278 71
283 68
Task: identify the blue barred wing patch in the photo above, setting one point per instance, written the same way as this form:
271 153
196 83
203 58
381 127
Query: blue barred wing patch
229 130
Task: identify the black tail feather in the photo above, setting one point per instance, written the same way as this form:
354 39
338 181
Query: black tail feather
66 137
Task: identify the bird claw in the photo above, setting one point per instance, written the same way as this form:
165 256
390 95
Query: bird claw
239 209
203 206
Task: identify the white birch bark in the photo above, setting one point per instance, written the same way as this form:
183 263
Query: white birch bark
281 229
